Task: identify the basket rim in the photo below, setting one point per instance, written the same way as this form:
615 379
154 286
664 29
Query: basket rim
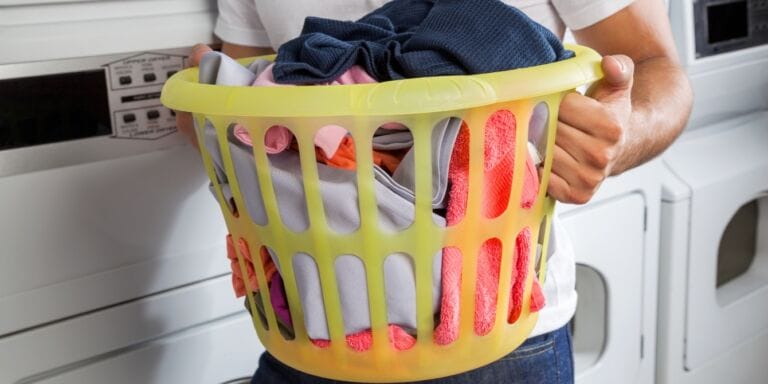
182 92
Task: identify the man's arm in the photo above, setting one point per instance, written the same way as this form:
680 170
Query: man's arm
630 116
239 51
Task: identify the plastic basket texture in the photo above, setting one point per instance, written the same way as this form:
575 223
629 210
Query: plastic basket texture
418 104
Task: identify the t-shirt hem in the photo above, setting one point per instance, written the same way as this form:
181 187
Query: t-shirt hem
554 318
241 36
593 13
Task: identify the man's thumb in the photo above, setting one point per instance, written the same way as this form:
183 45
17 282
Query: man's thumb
618 74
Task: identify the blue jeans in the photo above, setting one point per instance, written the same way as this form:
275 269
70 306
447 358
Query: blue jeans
544 359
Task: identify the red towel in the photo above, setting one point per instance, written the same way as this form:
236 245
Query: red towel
497 184
499 159
238 283
362 341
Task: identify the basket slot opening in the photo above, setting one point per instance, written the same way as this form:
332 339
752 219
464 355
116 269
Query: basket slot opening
392 151
498 162
538 132
212 147
489 259
244 280
400 285
458 175
541 134
246 180
353 295
448 324
310 297
334 152
545 247
520 274
275 289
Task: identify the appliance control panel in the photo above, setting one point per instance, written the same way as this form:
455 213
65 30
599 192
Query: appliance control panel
134 95
117 96
727 25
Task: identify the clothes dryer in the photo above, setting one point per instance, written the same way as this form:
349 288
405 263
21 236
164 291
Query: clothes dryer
713 294
113 264
713 281
615 240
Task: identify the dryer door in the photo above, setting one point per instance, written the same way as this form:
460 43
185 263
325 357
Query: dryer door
608 239
726 167
215 353
90 235
195 334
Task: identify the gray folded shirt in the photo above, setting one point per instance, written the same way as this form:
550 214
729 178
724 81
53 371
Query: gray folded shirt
339 194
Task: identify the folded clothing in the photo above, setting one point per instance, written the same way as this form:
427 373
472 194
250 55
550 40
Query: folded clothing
418 38
328 138
395 163
338 188
238 280
353 292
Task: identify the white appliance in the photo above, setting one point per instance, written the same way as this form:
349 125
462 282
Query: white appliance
615 238
113 265
713 288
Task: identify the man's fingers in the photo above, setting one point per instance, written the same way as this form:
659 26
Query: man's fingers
584 148
581 181
184 122
198 51
589 116
186 126
558 189
618 75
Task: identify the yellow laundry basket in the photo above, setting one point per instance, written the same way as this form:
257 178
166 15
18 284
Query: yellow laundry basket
419 104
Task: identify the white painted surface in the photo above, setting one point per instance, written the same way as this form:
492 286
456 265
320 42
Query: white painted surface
707 329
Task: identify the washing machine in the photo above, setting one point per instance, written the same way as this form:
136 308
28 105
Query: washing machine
713 281
615 240
112 265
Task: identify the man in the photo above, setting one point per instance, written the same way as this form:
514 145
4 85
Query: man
630 116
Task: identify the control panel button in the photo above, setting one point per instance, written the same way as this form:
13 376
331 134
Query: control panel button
129 118
153 114
149 77
170 73
125 80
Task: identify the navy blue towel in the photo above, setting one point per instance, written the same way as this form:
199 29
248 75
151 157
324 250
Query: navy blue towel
418 38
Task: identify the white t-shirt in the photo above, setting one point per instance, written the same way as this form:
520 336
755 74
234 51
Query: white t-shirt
260 23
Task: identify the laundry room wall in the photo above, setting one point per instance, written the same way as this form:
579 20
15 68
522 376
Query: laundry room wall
113 265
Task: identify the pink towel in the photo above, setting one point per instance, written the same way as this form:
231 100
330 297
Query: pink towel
328 138
278 138
362 341
499 158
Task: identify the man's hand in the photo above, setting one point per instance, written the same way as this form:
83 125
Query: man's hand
184 121
591 133
633 114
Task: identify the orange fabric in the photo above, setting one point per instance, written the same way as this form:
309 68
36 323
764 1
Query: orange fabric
238 283
344 158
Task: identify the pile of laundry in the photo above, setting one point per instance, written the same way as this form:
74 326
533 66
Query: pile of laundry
403 39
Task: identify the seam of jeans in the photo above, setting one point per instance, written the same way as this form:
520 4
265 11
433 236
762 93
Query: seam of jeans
569 337
530 352
557 359
544 344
